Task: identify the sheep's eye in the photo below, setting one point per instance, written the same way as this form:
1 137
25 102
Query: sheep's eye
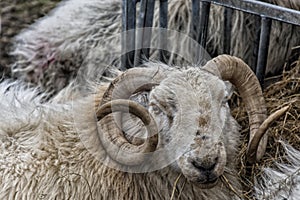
156 109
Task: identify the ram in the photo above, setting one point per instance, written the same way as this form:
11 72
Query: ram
176 137
86 34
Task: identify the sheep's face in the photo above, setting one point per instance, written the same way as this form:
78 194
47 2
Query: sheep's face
191 111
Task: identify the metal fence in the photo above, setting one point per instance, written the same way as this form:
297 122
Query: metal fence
200 16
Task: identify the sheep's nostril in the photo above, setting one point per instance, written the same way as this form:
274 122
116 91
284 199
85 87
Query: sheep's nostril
206 172
204 167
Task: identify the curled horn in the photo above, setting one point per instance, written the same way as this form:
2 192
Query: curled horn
129 154
236 71
115 99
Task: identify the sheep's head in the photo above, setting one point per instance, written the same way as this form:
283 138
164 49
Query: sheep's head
187 109
187 106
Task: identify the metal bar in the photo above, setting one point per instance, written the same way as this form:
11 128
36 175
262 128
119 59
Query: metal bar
204 15
128 40
143 33
257 26
227 30
194 32
263 49
148 23
139 32
163 23
163 14
261 8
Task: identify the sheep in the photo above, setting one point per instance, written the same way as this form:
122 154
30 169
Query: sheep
85 33
71 147
281 181
68 45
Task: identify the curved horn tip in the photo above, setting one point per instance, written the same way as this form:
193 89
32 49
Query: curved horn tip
253 152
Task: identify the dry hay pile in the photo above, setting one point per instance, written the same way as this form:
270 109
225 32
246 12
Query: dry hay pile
15 16
285 92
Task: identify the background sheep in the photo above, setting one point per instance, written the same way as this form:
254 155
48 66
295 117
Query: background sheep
49 149
282 181
78 33
16 15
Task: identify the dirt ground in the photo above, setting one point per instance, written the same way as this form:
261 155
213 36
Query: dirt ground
16 15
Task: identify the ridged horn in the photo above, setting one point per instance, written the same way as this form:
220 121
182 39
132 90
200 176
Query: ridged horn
123 151
132 81
115 99
237 72
262 130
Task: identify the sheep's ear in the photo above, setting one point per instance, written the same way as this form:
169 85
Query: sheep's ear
229 89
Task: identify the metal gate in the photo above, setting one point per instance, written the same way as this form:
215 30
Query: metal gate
200 15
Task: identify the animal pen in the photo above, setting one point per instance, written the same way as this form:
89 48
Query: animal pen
200 22
138 14
284 92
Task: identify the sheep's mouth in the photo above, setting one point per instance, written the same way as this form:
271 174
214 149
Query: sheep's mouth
207 184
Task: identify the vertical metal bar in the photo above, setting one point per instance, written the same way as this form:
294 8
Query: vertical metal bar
163 14
263 49
204 15
163 24
144 34
227 30
128 40
148 23
194 31
256 43
139 32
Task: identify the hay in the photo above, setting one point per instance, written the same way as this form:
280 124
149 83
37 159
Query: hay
284 92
